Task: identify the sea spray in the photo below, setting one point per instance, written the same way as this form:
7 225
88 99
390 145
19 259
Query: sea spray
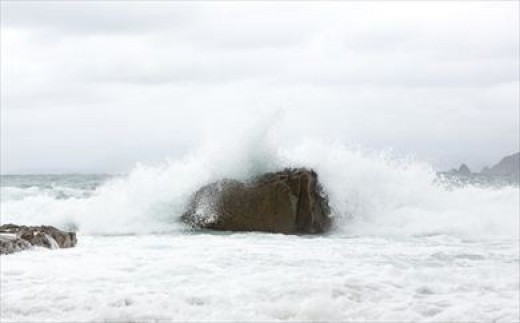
376 193
371 193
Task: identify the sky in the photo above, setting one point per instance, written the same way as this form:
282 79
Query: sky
98 86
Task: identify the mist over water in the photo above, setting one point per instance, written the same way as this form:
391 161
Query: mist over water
371 192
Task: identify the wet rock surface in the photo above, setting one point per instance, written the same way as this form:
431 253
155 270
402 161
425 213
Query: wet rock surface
290 201
10 244
19 237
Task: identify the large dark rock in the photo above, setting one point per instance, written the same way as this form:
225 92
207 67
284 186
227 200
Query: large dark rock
289 201
18 237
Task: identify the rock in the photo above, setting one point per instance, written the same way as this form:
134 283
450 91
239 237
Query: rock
11 228
464 170
10 244
290 201
50 237
43 236
508 166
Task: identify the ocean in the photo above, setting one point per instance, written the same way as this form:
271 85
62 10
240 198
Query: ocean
404 246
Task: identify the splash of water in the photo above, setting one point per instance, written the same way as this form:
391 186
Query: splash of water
370 193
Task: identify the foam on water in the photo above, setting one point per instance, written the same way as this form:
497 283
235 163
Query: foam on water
404 247
251 277
375 193
370 192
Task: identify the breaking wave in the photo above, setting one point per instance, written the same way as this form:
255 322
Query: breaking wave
371 193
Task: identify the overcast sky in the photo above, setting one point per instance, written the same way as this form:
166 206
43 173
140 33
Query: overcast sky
98 86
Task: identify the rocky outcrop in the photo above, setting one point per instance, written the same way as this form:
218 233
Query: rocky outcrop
463 171
11 243
504 173
19 237
290 201
508 166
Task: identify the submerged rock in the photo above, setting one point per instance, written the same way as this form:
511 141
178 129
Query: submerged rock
19 237
289 201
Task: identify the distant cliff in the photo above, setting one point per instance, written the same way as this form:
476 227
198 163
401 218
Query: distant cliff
508 166
463 171
507 171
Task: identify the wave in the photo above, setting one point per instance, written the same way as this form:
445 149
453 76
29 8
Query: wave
371 193
10 193
375 193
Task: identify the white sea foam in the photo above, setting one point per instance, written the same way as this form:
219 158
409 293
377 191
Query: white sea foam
375 193
370 192
404 247
263 278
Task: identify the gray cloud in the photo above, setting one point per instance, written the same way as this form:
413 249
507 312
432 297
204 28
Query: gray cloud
96 17
97 86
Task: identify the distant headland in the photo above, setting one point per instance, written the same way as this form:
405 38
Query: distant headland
507 170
